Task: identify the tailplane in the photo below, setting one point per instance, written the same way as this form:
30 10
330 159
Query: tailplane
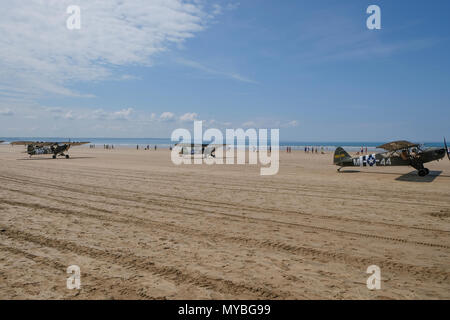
340 155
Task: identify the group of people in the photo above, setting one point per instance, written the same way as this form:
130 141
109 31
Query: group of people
362 151
108 146
147 147
314 150
289 149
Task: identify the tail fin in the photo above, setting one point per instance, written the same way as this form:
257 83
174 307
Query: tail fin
340 155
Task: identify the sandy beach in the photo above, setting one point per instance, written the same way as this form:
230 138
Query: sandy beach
140 227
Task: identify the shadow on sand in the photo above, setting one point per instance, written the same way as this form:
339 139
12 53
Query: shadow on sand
410 176
71 158
414 177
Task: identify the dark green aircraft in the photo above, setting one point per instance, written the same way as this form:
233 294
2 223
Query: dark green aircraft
398 153
53 148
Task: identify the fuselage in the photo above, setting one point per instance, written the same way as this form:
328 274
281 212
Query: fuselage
54 149
397 158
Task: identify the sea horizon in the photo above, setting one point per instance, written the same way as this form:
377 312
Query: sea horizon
167 142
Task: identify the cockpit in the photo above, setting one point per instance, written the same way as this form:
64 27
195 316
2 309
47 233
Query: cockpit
408 153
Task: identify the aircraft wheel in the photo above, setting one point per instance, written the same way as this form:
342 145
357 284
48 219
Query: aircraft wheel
54 156
67 156
427 172
422 172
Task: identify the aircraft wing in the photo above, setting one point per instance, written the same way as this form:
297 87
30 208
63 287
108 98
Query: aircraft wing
192 145
42 143
398 145
74 143
34 143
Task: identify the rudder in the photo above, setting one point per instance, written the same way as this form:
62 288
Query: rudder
340 155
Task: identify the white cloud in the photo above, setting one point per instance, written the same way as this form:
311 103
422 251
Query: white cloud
6 112
123 114
217 9
232 6
40 55
206 69
81 113
249 124
189 117
167 116
270 123
290 124
69 115
56 110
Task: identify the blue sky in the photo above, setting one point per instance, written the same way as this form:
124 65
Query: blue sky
143 68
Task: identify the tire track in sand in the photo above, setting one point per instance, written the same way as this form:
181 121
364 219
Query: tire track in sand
135 262
328 256
89 280
200 208
216 204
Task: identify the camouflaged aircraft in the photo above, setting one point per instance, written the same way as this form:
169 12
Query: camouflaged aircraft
54 148
398 153
205 149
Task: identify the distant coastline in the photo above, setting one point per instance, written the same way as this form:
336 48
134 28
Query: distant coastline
166 142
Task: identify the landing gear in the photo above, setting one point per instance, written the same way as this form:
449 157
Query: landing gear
62 155
419 167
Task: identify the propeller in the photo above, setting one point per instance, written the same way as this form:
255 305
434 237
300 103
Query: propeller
446 149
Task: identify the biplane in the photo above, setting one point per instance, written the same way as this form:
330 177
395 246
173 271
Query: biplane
398 153
54 148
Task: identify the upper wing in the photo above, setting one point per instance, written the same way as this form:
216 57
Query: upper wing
192 145
74 143
398 145
204 145
34 143
42 144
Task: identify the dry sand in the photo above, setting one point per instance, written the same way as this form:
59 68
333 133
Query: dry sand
140 227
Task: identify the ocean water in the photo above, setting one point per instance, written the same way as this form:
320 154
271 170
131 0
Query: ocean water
166 143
